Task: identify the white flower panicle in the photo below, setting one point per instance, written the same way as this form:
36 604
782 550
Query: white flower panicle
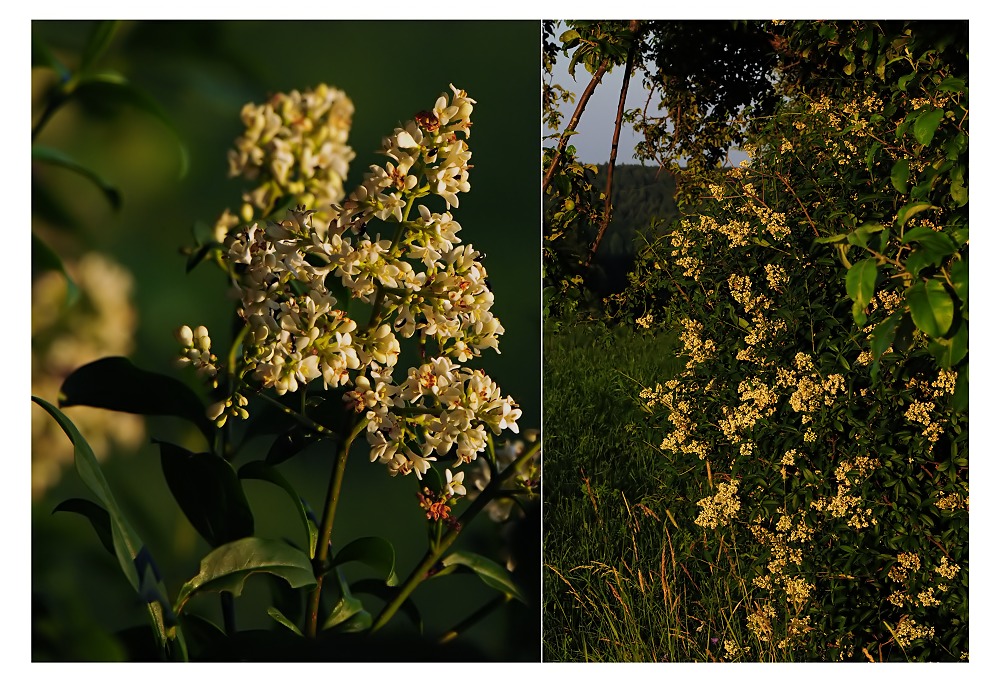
295 145
293 278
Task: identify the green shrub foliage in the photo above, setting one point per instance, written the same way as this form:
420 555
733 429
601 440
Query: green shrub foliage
820 290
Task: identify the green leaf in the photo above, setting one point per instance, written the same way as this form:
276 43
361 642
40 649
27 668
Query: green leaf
840 237
490 572
282 620
882 338
930 238
48 155
115 88
567 36
127 544
900 175
949 352
859 313
910 210
951 85
114 383
931 307
228 567
44 259
375 552
959 277
348 614
258 470
207 489
926 124
959 193
100 39
860 279
859 237
97 516
291 442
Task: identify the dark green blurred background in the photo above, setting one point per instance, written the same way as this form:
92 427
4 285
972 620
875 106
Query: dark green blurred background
201 73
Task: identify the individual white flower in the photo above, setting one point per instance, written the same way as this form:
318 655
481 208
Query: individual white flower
454 483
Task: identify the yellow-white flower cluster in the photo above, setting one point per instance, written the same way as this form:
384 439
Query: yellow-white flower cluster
292 279
295 144
719 509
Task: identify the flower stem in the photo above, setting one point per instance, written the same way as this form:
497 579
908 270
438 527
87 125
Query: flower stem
433 555
326 531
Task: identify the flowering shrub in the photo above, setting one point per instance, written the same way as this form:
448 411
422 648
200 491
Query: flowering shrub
821 295
324 302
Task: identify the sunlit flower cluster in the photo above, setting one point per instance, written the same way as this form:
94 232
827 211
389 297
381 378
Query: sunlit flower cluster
717 510
908 630
695 347
295 145
295 278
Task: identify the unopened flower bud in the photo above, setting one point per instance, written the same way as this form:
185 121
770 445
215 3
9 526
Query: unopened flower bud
184 336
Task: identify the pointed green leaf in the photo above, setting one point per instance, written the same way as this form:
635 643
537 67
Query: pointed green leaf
491 573
860 236
882 338
348 614
918 260
949 352
282 620
900 175
127 544
290 443
926 124
258 470
209 493
228 567
860 279
959 193
99 41
567 36
48 155
859 313
934 240
115 88
97 516
951 85
931 307
840 237
114 383
375 552
910 210
44 259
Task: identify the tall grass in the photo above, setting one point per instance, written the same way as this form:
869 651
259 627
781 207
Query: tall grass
628 576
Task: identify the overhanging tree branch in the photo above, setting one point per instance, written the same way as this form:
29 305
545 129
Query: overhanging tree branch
574 120
629 64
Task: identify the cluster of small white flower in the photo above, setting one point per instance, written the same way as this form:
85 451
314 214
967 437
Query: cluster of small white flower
421 282
294 144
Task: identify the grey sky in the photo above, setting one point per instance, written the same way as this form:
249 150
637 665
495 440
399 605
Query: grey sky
597 125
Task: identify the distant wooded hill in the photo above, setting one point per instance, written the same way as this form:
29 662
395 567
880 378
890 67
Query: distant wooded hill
639 195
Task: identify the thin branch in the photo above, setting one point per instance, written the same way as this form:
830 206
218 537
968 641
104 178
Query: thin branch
574 120
629 62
